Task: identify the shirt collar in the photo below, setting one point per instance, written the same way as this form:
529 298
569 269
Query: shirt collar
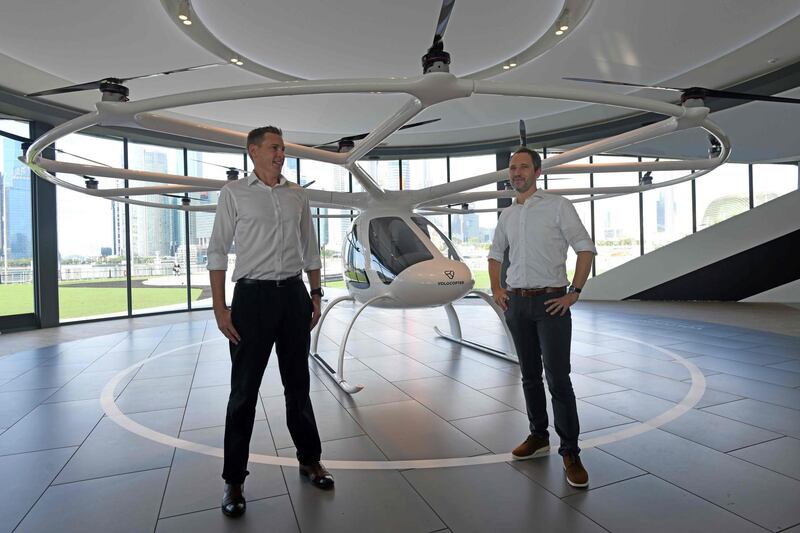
538 194
252 178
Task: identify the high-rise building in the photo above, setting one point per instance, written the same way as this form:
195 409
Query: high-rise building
16 184
154 231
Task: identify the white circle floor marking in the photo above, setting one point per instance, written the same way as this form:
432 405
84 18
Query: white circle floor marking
109 405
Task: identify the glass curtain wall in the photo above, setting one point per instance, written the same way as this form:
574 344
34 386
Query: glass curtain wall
211 165
616 220
16 224
572 181
772 181
666 212
93 231
473 233
423 173
331 224
92 270
158 238
722 193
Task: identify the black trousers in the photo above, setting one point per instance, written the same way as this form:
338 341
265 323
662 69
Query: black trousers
543 338
264 315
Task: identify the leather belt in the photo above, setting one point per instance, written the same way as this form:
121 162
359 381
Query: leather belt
536 291
272 282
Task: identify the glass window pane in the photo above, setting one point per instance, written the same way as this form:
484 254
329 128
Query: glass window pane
158 241
216 166
92 280
667 212
616 219
16 225
772 181
472 233
355 268
572 181
331 224
423 173
385 173
721 194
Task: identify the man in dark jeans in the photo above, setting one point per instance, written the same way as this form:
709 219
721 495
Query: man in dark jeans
270 221
537 228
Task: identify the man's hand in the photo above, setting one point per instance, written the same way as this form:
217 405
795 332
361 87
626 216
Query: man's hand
225 325
315 301
500 296
560 305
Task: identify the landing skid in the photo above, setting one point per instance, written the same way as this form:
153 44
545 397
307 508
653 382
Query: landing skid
338 374
455 330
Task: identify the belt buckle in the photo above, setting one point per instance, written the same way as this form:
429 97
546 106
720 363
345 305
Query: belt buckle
280 282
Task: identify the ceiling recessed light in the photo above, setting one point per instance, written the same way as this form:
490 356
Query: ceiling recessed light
564 28
559 32
512 65
183 17
187 22
234 60
240 63
506 67
772 60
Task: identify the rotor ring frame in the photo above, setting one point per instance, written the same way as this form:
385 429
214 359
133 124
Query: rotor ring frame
426 91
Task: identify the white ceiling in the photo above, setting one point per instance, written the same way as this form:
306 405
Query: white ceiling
713 43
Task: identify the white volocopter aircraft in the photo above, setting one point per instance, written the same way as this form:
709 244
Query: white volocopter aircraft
393 256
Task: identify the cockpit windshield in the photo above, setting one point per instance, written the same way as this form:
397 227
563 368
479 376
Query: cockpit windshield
355 263
394 247
438 239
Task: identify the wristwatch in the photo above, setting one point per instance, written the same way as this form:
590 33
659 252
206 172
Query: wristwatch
573 288
317 291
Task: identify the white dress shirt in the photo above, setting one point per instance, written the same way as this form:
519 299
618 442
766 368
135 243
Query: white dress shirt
537 234
271 226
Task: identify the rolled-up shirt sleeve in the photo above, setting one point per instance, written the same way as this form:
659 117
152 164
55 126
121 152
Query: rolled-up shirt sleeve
499 242
222 235
573 229
308 237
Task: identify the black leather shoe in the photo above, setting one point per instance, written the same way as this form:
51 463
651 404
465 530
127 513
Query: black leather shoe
318 475
233 502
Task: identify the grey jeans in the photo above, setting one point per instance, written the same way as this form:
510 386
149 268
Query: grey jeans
544 340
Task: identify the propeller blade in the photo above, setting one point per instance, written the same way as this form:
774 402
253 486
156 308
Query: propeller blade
96 84
523 137
700 91
81 157
732 95
444 19
168 72
626 84
70 88
363 135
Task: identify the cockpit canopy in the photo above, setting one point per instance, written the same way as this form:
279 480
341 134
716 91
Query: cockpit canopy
393 247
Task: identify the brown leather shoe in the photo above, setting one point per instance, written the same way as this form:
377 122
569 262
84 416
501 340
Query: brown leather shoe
233 502
532 447
318 475
577 476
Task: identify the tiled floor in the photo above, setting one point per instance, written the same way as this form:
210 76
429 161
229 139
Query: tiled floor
730 463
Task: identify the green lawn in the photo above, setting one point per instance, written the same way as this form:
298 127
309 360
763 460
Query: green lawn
77 302
84 301
16 299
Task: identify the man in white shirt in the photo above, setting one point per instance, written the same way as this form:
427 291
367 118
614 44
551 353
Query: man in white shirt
270 221
537 228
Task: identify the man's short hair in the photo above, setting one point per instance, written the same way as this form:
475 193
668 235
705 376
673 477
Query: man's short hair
257 135
537 160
